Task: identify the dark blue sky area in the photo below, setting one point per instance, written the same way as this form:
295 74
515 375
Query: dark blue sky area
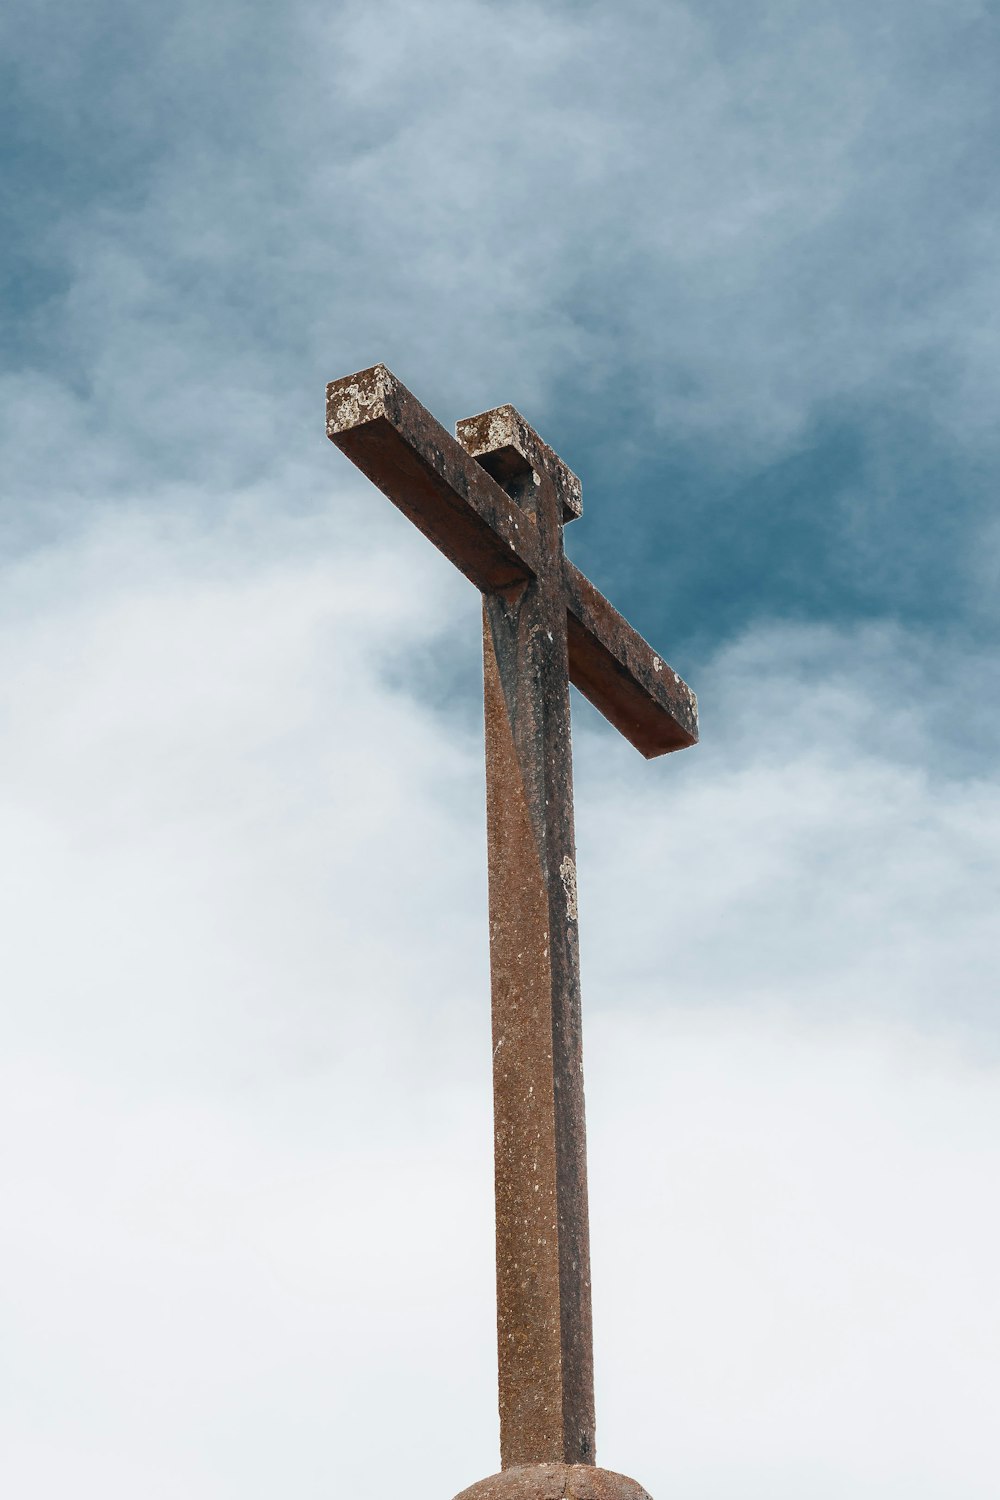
808 536
740 270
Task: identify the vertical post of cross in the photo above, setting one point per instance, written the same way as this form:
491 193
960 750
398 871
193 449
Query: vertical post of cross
494 502
545 1347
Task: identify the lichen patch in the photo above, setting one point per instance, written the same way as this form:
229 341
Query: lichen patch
567 871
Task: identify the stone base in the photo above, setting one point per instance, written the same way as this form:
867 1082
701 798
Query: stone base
555 1482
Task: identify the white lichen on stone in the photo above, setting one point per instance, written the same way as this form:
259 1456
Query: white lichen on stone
356 402
567 871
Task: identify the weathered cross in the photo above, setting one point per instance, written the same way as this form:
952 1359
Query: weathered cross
495 502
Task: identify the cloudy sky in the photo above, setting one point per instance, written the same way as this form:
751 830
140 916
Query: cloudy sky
737 261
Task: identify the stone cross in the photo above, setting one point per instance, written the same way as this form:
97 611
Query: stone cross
495 501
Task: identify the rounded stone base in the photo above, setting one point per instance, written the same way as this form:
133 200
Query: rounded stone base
555 1482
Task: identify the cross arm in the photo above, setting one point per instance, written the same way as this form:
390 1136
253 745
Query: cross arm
621 674
395 441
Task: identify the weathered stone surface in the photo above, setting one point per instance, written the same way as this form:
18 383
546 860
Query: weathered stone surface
501 437
555 1482
458 493
543 1252
454 501
495 501
612 665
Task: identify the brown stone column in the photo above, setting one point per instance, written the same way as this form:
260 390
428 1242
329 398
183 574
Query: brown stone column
543 1254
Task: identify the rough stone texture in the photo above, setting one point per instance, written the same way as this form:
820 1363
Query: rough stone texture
501 440
543 1254
460 500
495 501
555 1482
383 429
612 665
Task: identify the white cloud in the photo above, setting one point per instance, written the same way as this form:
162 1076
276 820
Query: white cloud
246 1040
795 1256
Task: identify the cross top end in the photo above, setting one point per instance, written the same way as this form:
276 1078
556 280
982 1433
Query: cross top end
501 441
507 447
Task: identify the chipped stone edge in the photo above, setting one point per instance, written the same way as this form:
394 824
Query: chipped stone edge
359 398
504 427
567 872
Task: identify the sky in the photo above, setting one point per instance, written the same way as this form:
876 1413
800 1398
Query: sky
737 263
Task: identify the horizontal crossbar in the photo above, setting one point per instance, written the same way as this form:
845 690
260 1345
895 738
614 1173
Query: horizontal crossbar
449 495
424 471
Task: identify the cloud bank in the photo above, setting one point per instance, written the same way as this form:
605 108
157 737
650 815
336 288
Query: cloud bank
247 1078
